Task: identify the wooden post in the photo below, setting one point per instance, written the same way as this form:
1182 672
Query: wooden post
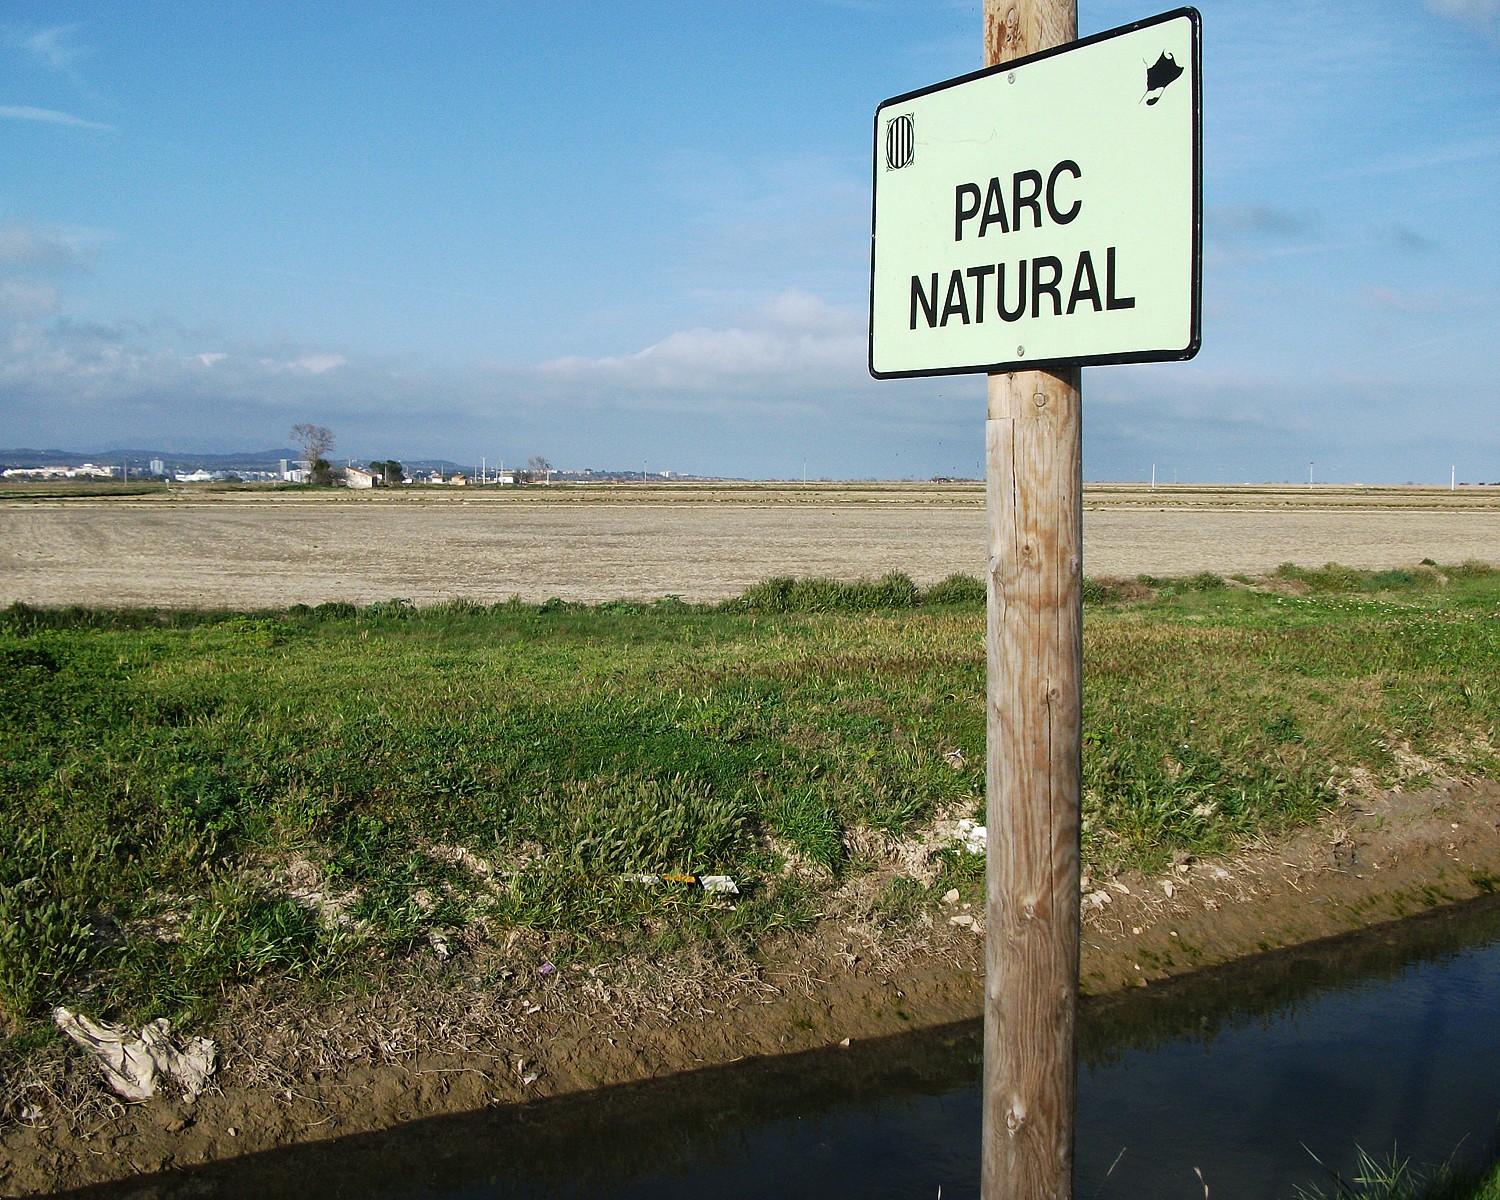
1034 490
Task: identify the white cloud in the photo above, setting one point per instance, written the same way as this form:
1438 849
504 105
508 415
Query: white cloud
48 116
316 364
795 340
208 360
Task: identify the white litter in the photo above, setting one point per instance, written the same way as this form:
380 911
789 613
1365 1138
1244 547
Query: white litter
970 836
134 1064
709 883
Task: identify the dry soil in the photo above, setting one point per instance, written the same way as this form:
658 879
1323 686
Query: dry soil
270 549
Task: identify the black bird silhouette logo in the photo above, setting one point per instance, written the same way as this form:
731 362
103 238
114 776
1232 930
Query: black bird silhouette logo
1158 75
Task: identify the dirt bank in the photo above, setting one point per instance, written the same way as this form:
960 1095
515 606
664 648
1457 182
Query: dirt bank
491 1028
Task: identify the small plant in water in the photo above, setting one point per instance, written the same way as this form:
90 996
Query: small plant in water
1394 1178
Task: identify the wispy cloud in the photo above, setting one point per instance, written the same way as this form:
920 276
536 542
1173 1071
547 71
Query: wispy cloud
796 339
53 47
49 116
317 363
1483 13
802 221
27 246
1426 158
1405 238
1260 221
1405 302
25 300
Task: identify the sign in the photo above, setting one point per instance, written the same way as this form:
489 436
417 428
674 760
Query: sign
1046 212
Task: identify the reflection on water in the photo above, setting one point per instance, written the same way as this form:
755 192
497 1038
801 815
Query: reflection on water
1388 1042
1244 1072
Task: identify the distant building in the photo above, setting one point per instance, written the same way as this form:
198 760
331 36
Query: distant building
355 478
86 471
158 467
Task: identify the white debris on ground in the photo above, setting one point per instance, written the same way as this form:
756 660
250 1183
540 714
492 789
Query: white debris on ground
135 1064
969 836
723 884
965 918
304 884
917 856
462 856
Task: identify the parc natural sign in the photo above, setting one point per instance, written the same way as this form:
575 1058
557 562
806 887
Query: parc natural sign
1043 213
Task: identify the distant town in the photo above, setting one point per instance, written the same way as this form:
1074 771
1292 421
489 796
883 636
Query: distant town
285 467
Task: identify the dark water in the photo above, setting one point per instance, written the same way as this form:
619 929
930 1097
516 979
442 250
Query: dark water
1386 1038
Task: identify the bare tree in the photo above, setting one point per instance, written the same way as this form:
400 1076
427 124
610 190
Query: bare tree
315 441
537 466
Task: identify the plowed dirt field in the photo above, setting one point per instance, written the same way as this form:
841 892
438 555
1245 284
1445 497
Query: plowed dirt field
188 548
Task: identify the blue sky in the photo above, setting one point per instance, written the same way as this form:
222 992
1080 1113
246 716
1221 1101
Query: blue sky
635 233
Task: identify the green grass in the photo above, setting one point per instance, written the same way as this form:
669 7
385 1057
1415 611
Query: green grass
1394 1178
165 773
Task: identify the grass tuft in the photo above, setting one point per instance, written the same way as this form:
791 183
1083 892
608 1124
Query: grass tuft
786 595
1394 1178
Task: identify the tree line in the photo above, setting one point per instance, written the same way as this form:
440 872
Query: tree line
315 442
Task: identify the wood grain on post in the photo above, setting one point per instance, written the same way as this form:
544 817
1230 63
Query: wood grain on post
1035 637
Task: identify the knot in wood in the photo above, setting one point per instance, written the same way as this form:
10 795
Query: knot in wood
1002 34
1015 1120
